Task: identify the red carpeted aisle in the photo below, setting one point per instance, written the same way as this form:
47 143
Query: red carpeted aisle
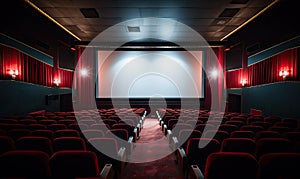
163 168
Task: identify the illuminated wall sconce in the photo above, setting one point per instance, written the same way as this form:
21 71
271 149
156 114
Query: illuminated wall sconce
14 73
57 82
284 74
243 82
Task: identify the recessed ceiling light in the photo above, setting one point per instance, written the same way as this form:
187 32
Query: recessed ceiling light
133 29
229 12
89 12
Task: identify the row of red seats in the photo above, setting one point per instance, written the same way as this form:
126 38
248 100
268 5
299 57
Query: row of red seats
237 165
31 164
243 146
107 149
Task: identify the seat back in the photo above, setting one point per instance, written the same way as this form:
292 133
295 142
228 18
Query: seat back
273 145
25 164
68 143
279 165
216 134
198 156
233 165
66 133
15 134
185 134
92 133
105 148
6 144
43 144
293 136
239 145
243 134
43 133
74 164
252 128
55 127
228 128
120 133
267 134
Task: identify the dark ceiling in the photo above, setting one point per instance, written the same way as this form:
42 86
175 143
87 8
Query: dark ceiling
212 19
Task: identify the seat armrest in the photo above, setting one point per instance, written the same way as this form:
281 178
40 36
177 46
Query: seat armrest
164 129
141 123
169 135
174 143
121 154
182 159
130 140
161 123
139 126
135 134
122 159
130 145
195 173
107 172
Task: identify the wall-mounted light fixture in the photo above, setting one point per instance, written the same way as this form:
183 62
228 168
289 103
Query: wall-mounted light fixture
243 82
56 82
14 73
284 74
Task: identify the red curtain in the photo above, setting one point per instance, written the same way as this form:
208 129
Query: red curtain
34 71
65 77
84 78
30 69
266 71
10 60
233 78
214 61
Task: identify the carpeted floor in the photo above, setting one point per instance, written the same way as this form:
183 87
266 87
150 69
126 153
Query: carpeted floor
157 146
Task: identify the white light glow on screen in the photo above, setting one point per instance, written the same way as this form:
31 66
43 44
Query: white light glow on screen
142 74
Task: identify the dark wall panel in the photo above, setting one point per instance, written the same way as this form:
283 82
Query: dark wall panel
280 99
19 98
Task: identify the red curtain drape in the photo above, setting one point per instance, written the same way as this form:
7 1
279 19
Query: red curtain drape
34 71
10 60
214 61
266 71
30 69
233 78
65 77
84 78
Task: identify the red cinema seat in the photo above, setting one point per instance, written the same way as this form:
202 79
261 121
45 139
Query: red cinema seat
25 164
68 143
66 133
74 164
239 145
233 165
273 145
6 144
242 134
279 165
43 144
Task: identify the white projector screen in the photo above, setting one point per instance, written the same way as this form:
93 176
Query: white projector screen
149 74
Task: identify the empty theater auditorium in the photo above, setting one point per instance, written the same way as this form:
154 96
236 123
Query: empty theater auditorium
142 89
